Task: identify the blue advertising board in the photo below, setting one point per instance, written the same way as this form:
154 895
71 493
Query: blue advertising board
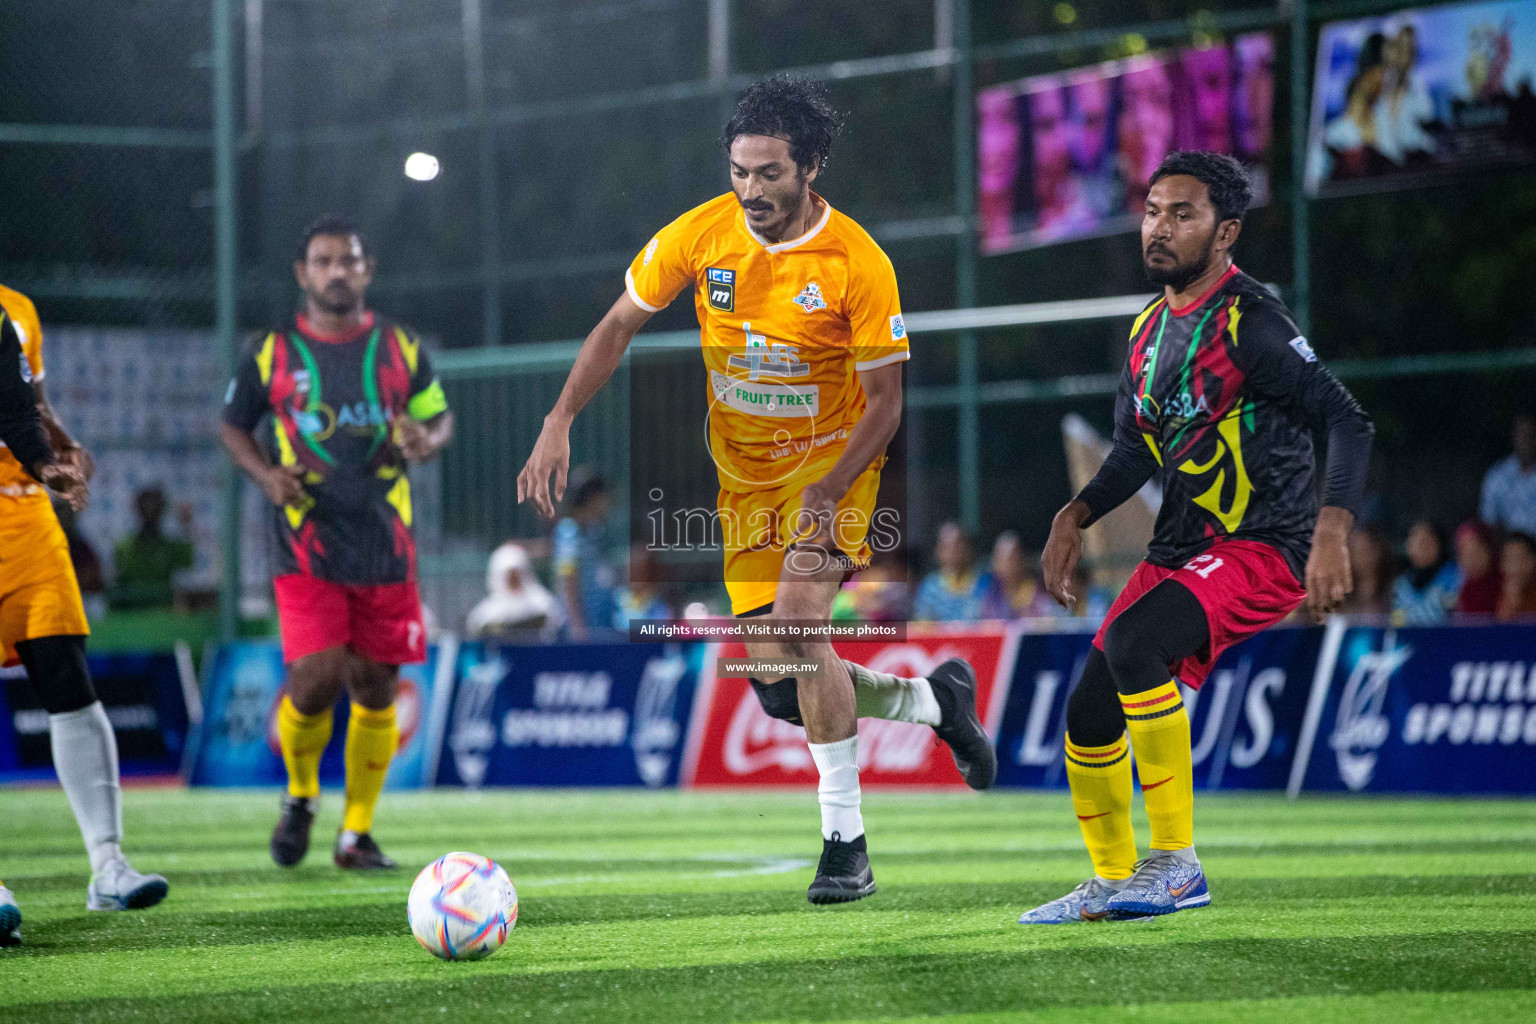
1244 722
600 715
145 697
238 744
1422 710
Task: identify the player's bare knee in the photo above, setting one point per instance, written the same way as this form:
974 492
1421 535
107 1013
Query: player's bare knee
316 680
372 684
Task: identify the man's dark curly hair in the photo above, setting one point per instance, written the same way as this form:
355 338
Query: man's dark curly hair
330 224
1223 177
794 109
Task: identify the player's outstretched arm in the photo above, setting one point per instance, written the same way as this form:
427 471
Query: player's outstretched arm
599 356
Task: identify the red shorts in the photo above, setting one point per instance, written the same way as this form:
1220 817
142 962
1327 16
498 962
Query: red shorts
1244 586
382 621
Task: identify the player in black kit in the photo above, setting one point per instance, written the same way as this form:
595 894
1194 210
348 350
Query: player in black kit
1219 398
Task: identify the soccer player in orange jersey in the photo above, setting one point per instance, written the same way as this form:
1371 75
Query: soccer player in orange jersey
803 339
42 619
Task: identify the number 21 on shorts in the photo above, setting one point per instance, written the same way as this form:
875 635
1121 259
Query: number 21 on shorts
1203 565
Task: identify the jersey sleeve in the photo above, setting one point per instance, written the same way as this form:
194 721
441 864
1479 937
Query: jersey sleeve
879 335
1131 461
29 330
1278 364
427 397
664 267
20 427
245 400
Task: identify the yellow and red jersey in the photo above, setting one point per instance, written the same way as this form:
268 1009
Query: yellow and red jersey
785 329
17 488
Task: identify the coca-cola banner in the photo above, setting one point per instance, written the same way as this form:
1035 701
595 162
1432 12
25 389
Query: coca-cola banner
1244 721
736 744
1423 710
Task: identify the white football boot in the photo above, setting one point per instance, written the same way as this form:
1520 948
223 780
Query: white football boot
118 887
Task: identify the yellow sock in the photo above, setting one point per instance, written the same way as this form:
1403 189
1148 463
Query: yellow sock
1101 795
371 740
1159 730
303 739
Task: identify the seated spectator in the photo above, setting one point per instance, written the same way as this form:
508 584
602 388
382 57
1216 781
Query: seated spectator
1517 564
1010 591
1092 602
1509 488
1425 594
878 594
1477 561
587 581
952 592
641 598
517 606
148 560
1370 567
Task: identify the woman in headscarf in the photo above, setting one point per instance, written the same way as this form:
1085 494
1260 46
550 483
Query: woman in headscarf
1425 594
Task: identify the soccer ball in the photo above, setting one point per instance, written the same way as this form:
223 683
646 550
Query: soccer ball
462 906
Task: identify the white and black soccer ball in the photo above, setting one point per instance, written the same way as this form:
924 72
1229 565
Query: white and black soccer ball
462 907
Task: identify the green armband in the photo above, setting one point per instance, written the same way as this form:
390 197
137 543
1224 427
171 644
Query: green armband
428 403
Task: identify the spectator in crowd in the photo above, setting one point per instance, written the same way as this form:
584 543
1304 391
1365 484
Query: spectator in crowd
642 597
1370 566
1477 561
1425 594
516 607
148 560
1517 564
952 592
1509 488
1010 591
88 569
586 578
878 594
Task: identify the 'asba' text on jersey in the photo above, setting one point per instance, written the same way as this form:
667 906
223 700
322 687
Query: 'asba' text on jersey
785 329
1210 391
332 404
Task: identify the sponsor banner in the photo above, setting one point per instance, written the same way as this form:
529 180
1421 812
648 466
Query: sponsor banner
737 744
1405 96
145 700
1449 710
1070 155
598 715
1244 722
238 744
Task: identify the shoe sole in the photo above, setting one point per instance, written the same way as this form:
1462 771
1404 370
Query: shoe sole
145 896
827 896
10 926
1133 911
982 773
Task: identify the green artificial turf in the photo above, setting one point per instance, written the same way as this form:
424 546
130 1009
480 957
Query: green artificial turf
691 907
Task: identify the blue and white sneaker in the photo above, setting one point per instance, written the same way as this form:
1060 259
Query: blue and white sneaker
1165 881
1085 903
119 887
10 919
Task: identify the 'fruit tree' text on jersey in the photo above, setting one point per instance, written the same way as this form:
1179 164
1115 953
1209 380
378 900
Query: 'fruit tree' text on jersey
785 327
1220 398
332 403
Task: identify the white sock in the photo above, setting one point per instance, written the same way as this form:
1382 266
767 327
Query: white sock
839 788
85 758
882 695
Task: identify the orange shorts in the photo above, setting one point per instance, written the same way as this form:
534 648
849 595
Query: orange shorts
39 595
758 526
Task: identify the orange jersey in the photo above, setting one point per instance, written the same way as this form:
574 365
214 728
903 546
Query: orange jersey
16 486
785 329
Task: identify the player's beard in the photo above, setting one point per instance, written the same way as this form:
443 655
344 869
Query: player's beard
336 299
1180 275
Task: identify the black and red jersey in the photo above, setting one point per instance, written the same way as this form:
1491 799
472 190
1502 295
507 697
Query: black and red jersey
1220 399
330 404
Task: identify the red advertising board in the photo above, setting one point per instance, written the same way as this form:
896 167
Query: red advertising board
734 743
